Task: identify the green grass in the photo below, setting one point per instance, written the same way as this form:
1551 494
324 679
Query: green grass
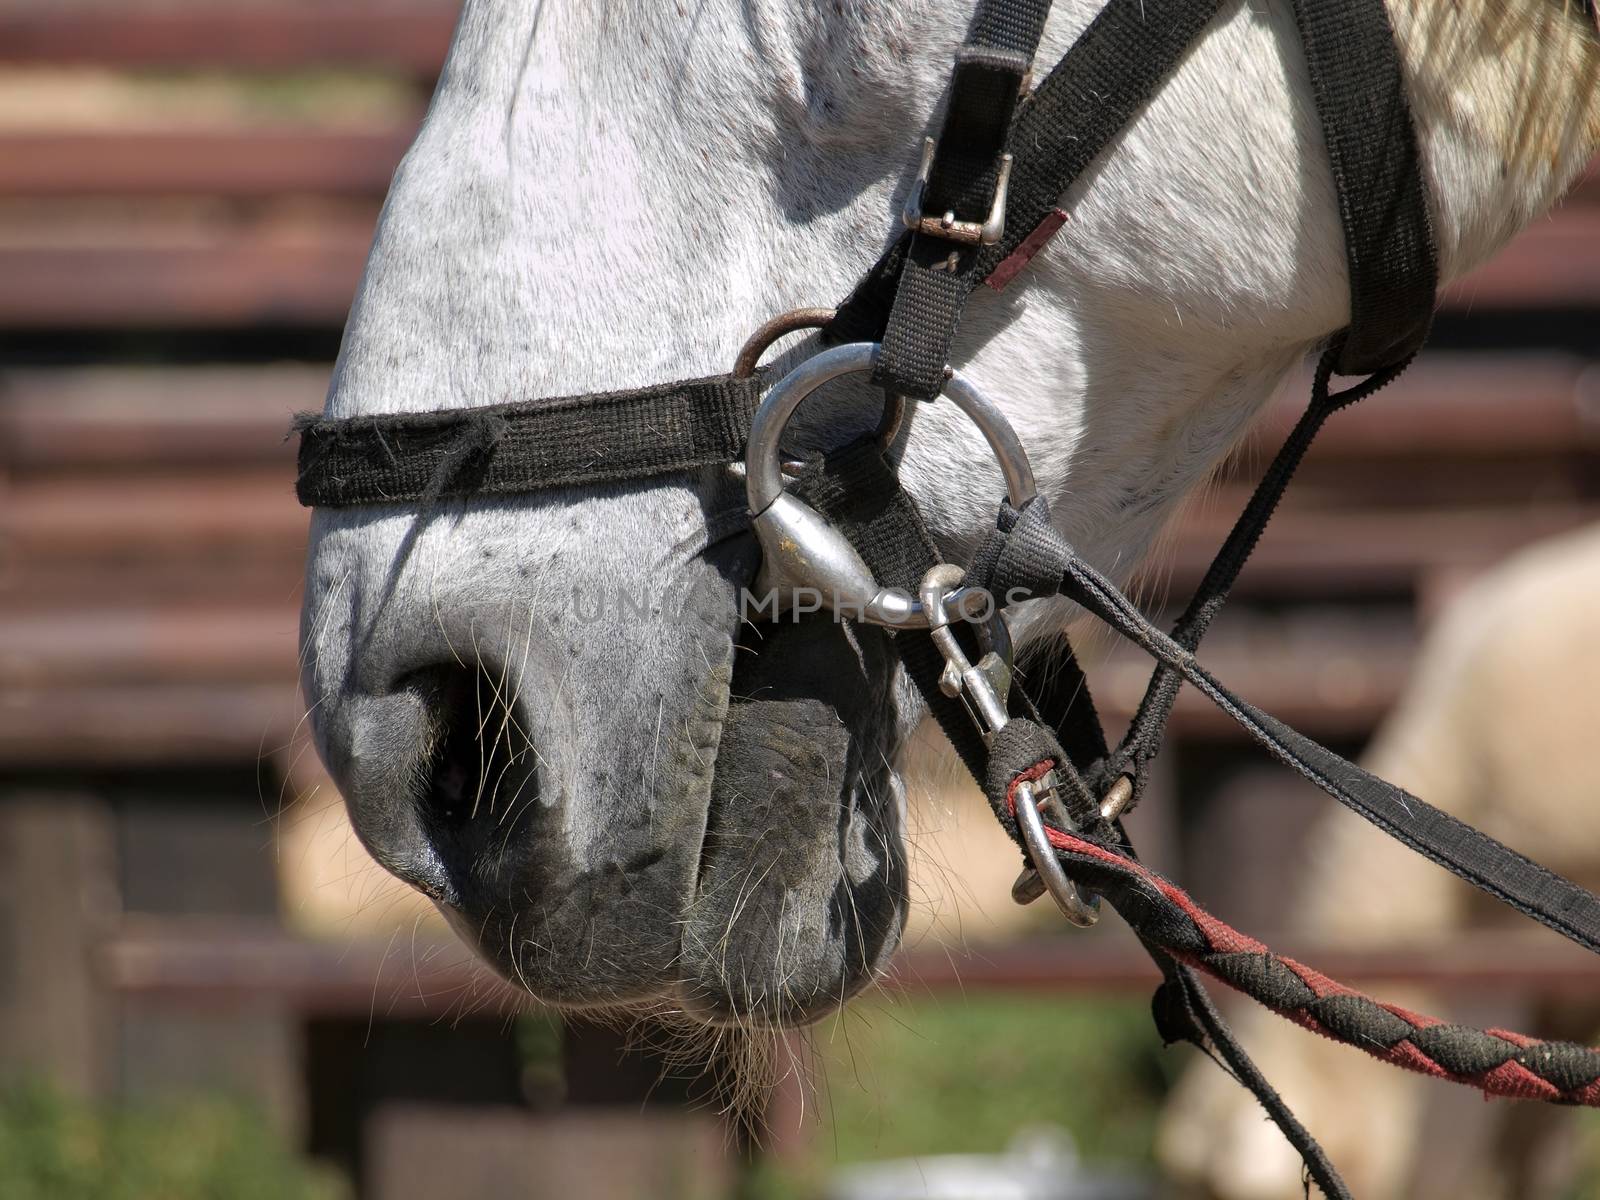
56 1148
963 1074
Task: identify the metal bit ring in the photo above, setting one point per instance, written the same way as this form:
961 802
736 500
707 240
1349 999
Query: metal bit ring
800 550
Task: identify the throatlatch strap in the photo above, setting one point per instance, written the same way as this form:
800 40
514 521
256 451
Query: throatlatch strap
1361 99
506 449
1146 731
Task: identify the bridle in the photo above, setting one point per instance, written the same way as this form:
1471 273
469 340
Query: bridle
983 204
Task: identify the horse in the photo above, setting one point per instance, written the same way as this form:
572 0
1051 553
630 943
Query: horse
544 711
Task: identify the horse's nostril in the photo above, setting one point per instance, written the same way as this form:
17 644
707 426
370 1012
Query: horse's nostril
480 769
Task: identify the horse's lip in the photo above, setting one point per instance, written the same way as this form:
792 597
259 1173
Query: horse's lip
799 798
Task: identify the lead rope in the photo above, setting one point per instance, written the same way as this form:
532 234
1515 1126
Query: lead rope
1498 1061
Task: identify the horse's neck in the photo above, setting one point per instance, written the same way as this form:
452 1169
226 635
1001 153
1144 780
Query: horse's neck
608 194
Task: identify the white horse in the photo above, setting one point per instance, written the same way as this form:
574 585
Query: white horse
607 194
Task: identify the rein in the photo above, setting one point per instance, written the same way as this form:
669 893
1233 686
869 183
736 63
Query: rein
984 203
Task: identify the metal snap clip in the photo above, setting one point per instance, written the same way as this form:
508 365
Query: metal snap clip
983 687
1079 906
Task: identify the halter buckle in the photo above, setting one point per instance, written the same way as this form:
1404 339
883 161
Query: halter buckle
945 225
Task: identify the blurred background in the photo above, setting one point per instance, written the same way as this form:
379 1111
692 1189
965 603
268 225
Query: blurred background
206 990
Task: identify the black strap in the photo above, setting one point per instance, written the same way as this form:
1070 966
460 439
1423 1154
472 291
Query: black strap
991 67
1183 1011
860 494
1146 731
1087 100
506 449
913 297
1361 99
1037 559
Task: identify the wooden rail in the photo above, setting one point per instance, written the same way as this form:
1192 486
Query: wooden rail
120 726
141 419
248 163
1337 679
430 977
1333 552
402 35
1450 406
206 278
236 274
1457 405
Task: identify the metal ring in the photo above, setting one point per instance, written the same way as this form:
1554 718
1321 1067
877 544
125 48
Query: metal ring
757 344
784 323
1078 906
800 549
786 395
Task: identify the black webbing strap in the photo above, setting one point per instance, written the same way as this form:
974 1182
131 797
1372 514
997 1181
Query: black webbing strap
991 67
1361 99
1146 731
918 289
1057 686
1060 128
507 449
1036 558
860 495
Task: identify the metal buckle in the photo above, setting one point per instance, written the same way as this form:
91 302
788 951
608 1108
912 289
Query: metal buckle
968 233
801 552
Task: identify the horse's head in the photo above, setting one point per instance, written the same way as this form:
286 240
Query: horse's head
527 701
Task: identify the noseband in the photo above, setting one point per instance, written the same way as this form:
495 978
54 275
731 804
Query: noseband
982 206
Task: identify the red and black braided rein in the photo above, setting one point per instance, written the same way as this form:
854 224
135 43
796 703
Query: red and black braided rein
1498 1061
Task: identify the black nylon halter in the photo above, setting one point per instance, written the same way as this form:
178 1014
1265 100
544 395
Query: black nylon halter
911 301
512 449
912 298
